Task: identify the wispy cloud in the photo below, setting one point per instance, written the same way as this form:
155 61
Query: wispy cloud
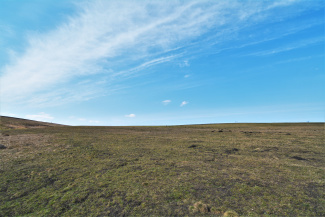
289 47
8 114
6 30
183 103
94 121
290 60
42 116
185 63
145 65
166 102
114 39
130 116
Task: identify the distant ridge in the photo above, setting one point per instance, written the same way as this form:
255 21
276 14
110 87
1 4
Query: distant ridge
20 123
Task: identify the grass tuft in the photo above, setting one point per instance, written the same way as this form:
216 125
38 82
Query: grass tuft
200 207
230 213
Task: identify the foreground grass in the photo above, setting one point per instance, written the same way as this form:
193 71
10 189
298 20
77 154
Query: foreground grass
248 169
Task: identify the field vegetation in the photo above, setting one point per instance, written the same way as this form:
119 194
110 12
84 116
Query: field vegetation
193 170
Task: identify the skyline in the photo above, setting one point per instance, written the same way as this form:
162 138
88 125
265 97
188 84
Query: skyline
154 63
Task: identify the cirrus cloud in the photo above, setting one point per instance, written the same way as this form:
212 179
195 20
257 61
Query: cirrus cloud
114 40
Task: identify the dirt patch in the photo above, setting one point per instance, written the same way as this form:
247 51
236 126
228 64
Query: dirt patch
231 151
18 141
298 158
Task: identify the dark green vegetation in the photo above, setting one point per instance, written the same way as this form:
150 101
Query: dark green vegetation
248 169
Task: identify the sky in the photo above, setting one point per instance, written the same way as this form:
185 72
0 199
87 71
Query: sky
113 63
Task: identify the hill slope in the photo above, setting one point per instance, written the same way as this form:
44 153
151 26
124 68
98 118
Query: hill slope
20 123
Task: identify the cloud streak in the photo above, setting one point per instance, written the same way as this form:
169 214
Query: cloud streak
166 102
289 47
115 40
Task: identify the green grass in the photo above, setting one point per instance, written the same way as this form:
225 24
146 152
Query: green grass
248 169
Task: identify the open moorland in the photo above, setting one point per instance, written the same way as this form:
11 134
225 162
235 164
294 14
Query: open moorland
193 170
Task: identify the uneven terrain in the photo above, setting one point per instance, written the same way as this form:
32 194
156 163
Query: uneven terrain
19 123
196 170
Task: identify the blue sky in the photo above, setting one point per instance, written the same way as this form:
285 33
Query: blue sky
162 63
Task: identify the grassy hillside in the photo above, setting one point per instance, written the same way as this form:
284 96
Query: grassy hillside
19 123
198 170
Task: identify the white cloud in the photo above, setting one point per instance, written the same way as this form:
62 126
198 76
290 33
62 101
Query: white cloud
114 39
185 63
94 121
186 76
166 102
40 117
130 116
183 103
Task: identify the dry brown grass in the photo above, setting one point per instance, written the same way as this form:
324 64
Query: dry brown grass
19 123
249 169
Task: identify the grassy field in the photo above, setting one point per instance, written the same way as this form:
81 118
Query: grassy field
197 170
